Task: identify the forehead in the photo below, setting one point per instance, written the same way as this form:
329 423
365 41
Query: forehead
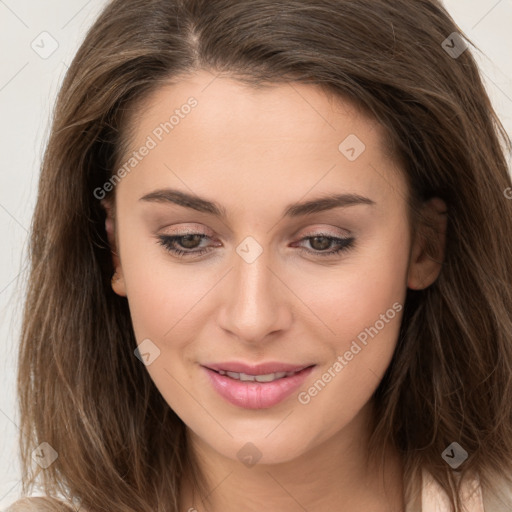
224 100
279 138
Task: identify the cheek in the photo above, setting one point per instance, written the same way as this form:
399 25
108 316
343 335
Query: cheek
164 304
366 283
160 291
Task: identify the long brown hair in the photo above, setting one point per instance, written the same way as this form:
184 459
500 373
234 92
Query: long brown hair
81 390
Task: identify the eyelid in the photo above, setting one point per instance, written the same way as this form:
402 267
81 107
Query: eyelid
322 231
318 230
191 229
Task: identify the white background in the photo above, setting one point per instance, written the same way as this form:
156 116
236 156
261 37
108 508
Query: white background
28 85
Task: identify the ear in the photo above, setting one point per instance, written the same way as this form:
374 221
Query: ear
118 284
428 248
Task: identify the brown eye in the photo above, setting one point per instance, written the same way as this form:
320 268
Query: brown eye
183 245
190 241
321 242
188 244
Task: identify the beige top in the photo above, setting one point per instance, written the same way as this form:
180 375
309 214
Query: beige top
435 499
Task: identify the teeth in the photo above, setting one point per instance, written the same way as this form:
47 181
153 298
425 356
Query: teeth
269 377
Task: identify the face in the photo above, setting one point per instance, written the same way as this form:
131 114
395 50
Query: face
259 278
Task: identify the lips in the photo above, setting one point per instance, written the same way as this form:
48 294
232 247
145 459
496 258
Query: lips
251 394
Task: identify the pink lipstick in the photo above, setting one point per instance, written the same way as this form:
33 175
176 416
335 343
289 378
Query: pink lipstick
256 386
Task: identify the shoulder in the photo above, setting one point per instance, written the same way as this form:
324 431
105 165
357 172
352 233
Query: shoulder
435 499
40 504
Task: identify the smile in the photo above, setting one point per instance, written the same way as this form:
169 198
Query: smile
269 377
256 391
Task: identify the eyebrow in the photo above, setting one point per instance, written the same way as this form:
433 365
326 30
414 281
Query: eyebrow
194 202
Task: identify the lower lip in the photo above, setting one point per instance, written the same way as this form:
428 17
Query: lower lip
256 395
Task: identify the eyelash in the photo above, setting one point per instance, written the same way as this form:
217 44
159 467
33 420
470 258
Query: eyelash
168 243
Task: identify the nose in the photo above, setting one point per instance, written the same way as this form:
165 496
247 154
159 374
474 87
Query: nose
255 300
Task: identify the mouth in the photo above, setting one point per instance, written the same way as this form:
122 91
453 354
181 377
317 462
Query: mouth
254 390
266 377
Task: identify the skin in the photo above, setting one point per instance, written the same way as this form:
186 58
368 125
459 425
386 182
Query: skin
254 151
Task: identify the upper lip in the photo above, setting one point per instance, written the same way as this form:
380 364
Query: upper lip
256 369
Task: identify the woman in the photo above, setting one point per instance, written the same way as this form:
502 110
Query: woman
270 266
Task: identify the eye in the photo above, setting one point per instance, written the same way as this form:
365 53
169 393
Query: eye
321 241
186 245
187 241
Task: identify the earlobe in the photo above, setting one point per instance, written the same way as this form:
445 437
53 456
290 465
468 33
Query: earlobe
428 249
117 280
117 283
